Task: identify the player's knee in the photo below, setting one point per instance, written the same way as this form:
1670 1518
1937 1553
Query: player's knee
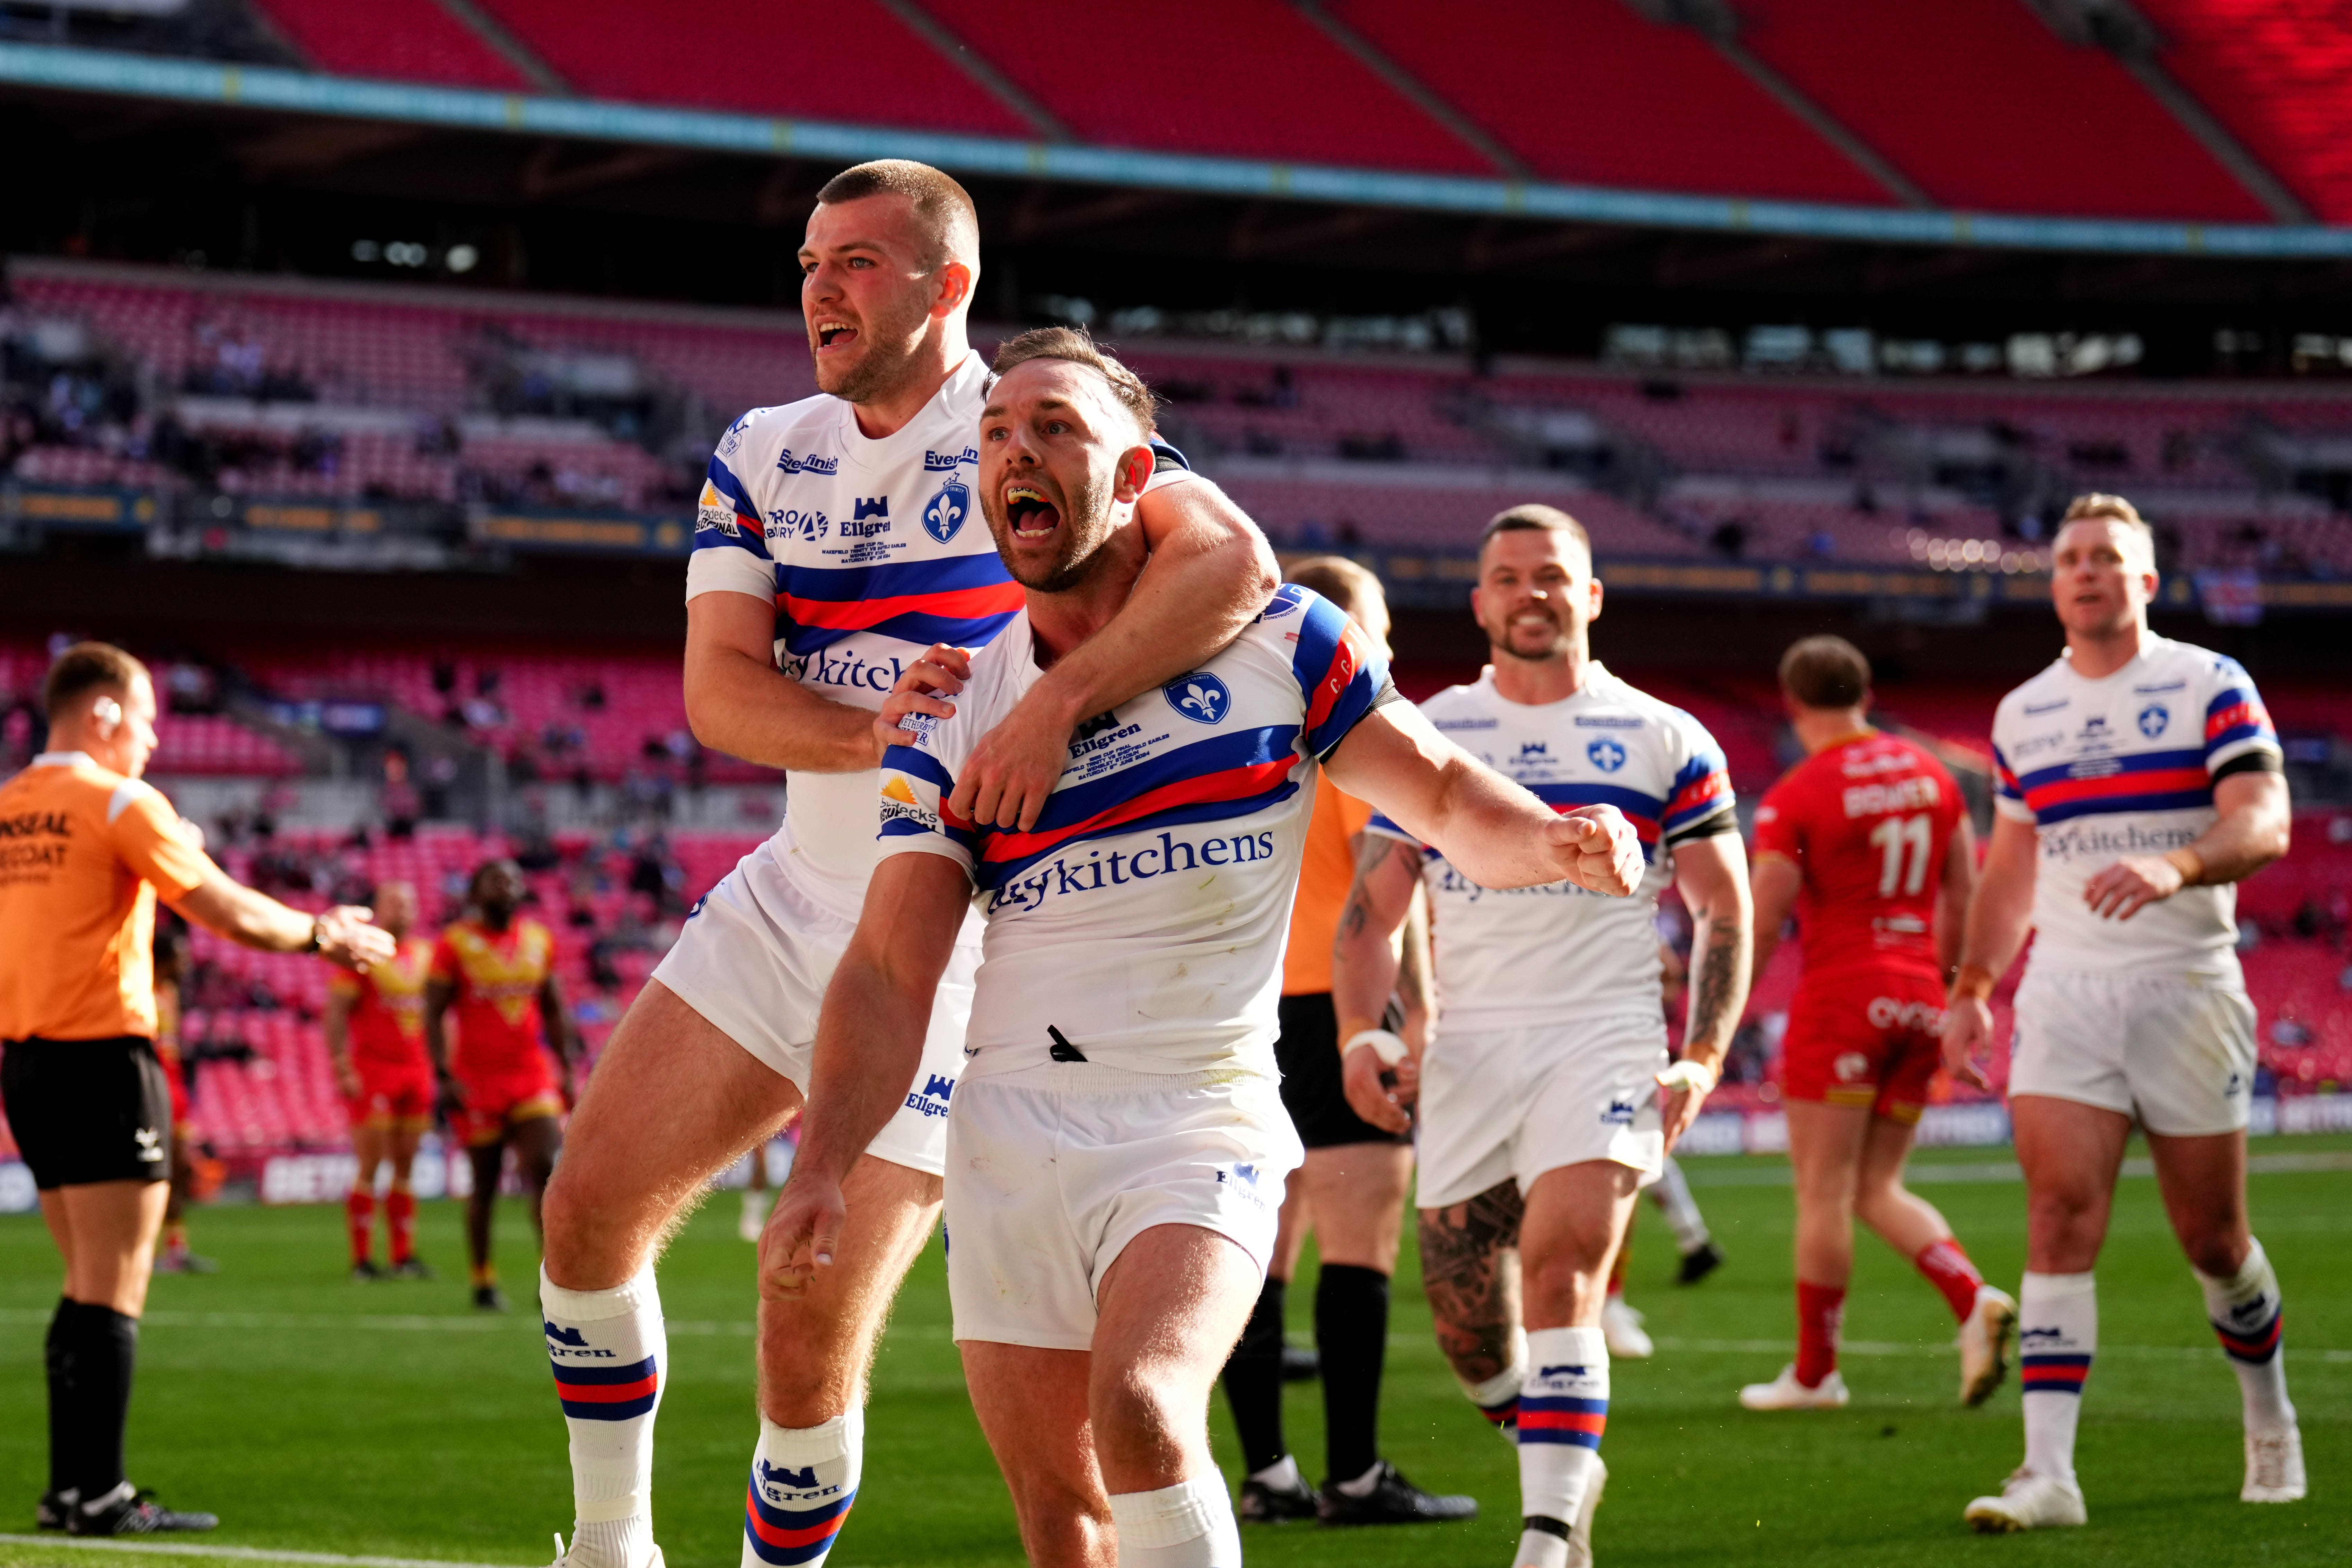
2217 1249
1135 1417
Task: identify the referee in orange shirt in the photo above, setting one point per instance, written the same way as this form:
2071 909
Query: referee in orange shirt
85 848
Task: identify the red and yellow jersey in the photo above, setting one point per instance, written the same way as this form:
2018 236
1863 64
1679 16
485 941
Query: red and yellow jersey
1869 821
387 1015
1325 874
498 977
83 853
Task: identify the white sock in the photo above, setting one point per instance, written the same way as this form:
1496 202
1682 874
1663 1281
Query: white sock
1282 1475
1188 1525
1671 1192
803 1481
610 1358
1497 1399
2057 1334
2247 1313
1563 1409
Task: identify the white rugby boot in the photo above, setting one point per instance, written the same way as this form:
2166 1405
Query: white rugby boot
754 1217
2274 1467
1621 1328
1984 1344
1785 1393
2028 1501
1580 1535
564 1561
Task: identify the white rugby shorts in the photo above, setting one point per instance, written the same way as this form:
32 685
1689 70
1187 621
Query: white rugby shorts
1056 1168
1502 1103
2176 1051
754 959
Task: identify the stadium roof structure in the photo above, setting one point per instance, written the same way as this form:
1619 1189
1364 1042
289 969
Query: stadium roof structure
2188 127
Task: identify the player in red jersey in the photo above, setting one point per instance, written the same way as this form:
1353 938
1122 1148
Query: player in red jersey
498 971
375 1034
1870 831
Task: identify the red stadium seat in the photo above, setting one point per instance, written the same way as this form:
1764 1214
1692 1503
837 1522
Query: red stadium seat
408 41
2278 73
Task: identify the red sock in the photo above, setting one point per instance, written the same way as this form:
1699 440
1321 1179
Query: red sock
400 1219
359 1210
1821 1313
1947 1269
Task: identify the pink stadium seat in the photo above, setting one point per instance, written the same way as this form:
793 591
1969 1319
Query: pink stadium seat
2048 126
2278 73
1245 78
408 41
1589 91
849 61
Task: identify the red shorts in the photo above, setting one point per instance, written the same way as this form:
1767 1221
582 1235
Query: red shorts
1865 1037
496 1101
392 1094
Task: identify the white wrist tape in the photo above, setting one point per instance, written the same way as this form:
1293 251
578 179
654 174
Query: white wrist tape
1696 1077
1388 1047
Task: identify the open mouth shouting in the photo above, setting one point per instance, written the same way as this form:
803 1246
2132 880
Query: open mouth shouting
1028 512
834 332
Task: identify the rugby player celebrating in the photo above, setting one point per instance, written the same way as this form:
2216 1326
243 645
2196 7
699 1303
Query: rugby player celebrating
1871 831
375 1037
1547 1099
2139 779
843 525
86 848
1118 1145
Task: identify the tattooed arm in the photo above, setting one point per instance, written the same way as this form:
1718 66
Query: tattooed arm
1416 983
1470 1271
1364 973
1711 873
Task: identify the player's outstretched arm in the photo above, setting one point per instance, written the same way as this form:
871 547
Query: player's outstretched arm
249 919
869 1043
1364 974
1494 833
2251 832
1711 874
739 702
1209 573
2000 913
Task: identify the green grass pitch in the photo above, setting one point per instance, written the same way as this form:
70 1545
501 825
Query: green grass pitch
318 1416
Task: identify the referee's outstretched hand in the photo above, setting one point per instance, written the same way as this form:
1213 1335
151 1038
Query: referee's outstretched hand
804 1235
1595 847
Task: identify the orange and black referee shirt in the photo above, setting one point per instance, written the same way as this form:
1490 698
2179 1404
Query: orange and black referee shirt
83 854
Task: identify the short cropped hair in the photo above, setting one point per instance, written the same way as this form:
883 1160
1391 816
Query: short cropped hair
1078 347
1532 515
1825 673
1347 584
2099 508
85 668
943 207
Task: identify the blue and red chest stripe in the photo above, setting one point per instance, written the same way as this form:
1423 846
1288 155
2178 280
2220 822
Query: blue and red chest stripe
2142 780
964 600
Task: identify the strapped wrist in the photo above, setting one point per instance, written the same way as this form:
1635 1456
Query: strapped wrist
2189 863
1972 982
1390 1049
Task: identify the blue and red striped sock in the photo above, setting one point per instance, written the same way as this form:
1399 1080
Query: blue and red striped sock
611 1357
803 1482
1563 1410
2057 1335
2251 1319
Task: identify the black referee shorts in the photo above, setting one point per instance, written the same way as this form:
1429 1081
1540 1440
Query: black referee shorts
88 1111
1307 1050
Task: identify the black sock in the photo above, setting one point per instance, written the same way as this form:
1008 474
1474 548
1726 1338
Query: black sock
1351 1334
1254 1382
58 1354
106 1349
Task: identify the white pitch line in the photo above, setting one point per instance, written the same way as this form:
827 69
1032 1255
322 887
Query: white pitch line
1925 1172
419 1322
1888 1348
243 1554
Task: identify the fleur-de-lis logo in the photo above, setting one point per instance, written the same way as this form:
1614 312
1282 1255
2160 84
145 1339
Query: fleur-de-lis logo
945 513
1200 696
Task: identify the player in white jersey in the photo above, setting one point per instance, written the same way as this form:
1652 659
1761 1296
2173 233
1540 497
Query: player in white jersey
835 536
2139 780
1546 1098
1118 1145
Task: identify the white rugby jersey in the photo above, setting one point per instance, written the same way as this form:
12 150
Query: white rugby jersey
871 550
2126 766
1144 915
1550 955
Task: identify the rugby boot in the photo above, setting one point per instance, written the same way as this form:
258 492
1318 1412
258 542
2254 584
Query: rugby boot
1265 1503
2028 1501
1698 1263
413 1268
490 1298
1984 1344
50 1512
128 1511
1580 1535
2274 1467
367 1270
564 1561
1394 1500
1620 1326
1785 1393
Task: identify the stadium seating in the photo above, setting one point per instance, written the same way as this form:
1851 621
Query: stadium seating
408 41
849 60
1982 105
2278 73
1589 91
1247 78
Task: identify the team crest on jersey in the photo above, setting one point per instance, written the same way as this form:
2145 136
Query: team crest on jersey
945 514
1607 754
1200 696
2153 719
